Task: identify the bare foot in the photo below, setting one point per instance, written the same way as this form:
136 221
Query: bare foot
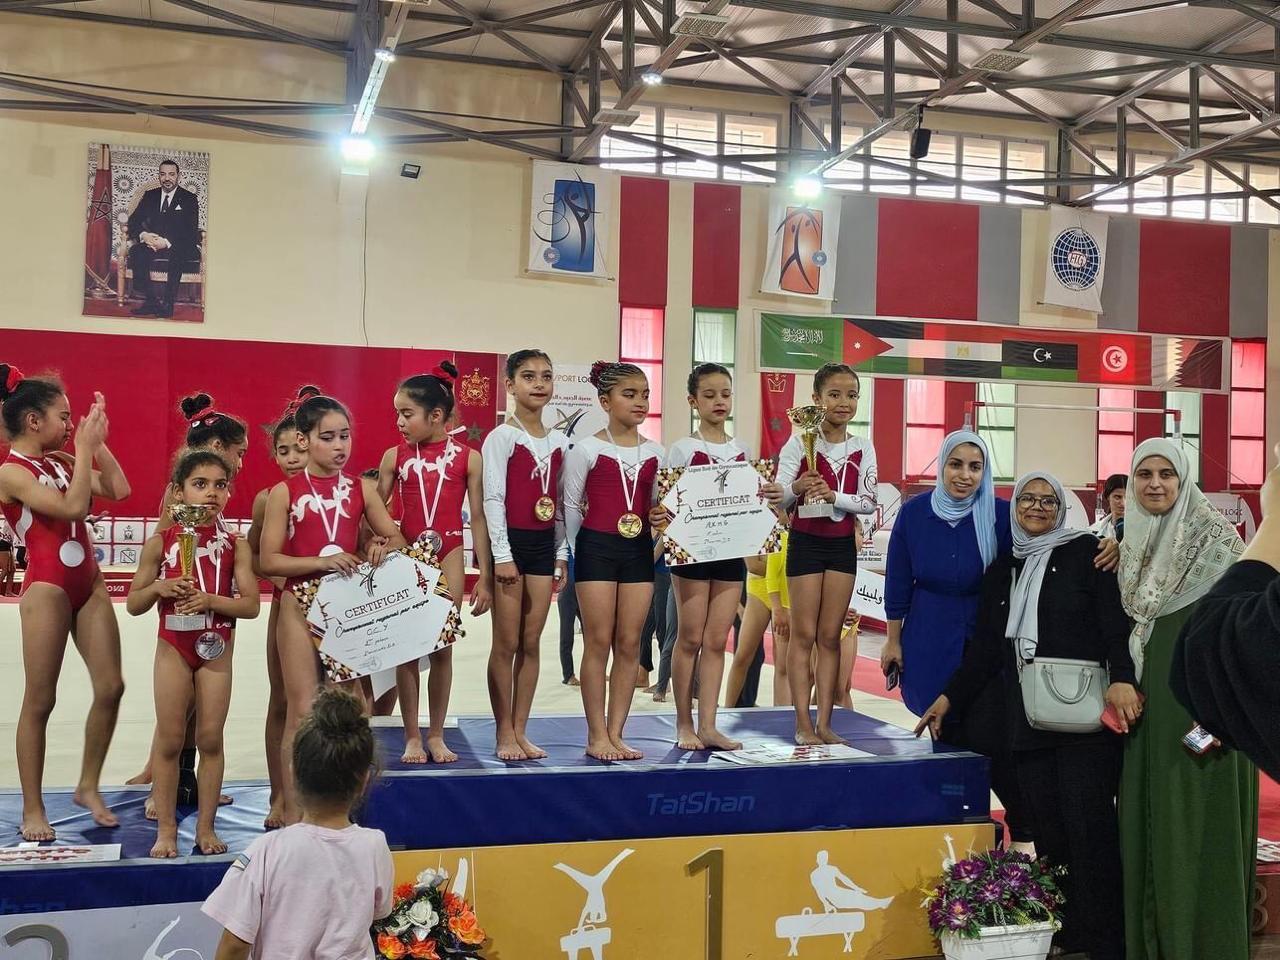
275 816
224 800
807 738
209 843
413 752
686 740
149 809
572 682
659 697
509 750
603 749
166 846
827 735
92 801
628 753
143 778
35 828
715 740
439 752
531 749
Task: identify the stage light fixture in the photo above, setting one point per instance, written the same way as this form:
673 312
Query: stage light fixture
357 149
807 188
651 77
385 55
410 170
920 137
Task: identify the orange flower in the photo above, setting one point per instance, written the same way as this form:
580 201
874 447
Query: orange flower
391 947
424 950
453 905
404 891
465 927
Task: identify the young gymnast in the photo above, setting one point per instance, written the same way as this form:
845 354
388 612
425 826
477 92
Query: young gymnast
822 552
523 463
290 454
193 663
609 516
707 594
434 474
311 528
45 495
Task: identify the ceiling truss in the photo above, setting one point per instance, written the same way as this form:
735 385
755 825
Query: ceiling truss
888 63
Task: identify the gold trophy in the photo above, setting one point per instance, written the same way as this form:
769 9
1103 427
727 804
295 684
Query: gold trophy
808 420
188 517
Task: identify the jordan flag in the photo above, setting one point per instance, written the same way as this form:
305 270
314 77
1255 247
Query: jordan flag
97 231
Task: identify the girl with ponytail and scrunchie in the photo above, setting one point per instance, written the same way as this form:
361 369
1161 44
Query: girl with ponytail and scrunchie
45 495
433 475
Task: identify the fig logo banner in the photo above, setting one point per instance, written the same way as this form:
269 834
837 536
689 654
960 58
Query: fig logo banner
803 236
569 221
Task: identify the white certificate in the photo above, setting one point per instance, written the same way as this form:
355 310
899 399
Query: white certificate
719 511
380 617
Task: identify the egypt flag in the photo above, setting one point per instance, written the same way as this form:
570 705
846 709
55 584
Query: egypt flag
1077 258
97 231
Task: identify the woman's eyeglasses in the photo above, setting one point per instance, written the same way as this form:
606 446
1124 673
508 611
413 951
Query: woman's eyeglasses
1047 502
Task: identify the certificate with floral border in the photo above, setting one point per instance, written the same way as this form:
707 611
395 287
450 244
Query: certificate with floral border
719 512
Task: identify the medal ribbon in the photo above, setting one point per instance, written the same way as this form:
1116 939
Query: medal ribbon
628 492
430 515
330 531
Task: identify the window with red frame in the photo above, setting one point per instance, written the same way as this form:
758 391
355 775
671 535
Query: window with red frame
1248 413
640 342
1116 432
926 426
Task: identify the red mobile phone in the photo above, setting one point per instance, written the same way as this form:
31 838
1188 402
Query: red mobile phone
1111 719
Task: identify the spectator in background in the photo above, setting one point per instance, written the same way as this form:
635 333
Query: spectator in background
567 608
8 564
1113 494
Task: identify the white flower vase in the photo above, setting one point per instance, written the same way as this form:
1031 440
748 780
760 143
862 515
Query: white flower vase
1029 942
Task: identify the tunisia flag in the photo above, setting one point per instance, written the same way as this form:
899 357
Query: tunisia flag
97 231
777 390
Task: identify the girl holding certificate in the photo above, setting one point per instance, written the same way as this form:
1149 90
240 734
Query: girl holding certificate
290 454
433 475
608 510
822 555
523 462
193 663
311 528
707 594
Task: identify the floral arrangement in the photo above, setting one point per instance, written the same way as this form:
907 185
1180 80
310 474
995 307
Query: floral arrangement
994 889
429 923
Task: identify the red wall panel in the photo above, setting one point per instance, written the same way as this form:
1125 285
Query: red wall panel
958 393
643 221
1215 439
927 260
888 414
1184 278
717 244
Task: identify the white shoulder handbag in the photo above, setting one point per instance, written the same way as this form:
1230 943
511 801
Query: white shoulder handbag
1063 696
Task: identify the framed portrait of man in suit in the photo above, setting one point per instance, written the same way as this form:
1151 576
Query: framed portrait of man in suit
146 246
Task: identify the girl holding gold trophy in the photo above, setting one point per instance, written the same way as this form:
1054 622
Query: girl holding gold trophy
830 480
203 580
45 495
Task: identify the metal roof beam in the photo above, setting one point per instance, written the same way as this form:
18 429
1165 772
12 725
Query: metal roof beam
257 26
995 9
855 50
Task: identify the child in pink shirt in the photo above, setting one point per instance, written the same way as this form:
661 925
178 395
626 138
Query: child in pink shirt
311 891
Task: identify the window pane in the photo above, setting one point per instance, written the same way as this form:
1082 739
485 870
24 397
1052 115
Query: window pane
654 372
690 130
1190 182
1189 404
1003 447
713 337
1115 452
1151 187
895 146
981 163
847 174
860 425
1117 200
1026 161
1116 422
1264 178
1248 413
1248 363
645 127
1247 462
942 160
997 416
922 451
746 135
641 331
1229 210
926 402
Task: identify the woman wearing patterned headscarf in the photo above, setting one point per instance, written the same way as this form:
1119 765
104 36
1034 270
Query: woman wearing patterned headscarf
1188 821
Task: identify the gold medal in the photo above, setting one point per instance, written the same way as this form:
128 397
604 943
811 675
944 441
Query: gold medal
544 509
630 525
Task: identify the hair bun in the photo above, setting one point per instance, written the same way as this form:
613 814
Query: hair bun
10 377
337 713
307 392
446 370
194 404
597 373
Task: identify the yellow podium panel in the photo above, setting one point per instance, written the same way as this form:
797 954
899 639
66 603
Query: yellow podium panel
845 894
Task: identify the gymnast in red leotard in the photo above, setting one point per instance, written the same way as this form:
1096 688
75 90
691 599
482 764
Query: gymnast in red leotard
198 616
45 495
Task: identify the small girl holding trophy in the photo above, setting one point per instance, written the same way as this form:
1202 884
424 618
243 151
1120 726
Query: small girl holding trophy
203 579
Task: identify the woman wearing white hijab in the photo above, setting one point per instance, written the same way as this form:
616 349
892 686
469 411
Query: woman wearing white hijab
1049 599
1188 821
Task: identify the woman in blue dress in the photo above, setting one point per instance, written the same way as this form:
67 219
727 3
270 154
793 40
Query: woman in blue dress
939 550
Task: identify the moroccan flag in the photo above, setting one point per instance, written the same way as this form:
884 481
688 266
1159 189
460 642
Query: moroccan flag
97 231
777 391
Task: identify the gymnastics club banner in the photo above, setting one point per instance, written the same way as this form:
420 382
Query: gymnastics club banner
569 220
803 237
977 351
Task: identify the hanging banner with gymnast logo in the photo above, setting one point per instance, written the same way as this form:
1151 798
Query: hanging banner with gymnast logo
719 512
575 408
803 236
569 220
1077 259
380 617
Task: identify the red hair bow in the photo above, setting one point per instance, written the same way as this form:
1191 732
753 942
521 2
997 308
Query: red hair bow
14 378
442 374
207 413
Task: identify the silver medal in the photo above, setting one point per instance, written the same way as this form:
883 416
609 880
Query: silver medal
71 553
210 645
